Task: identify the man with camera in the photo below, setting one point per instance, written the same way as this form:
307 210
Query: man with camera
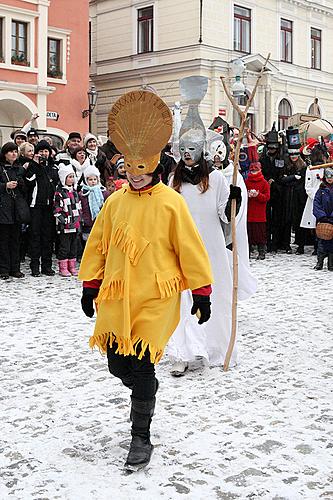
42 179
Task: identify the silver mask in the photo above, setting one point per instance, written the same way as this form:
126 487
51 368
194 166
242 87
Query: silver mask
192 142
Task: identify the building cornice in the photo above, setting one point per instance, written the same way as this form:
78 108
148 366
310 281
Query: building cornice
314 6
26 88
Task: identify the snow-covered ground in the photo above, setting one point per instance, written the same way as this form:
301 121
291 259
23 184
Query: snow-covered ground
262 430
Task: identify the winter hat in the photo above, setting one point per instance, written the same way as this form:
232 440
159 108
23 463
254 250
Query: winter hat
43 145
32 132
64 171
310 144
120 163
90 171
272 138
74 135
89 137
9 146
19 133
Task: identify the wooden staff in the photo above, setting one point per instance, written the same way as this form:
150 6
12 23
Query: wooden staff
243 117
323 165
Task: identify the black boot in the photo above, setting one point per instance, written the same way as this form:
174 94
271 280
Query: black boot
330 262
300 250
320 261
262 252
141 448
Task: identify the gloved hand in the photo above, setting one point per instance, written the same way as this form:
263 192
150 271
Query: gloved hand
201 303
235 194
87 301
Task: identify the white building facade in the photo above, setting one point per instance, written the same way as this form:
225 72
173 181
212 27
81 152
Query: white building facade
154 43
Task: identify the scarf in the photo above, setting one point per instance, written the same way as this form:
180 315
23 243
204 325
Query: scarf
92 155
95 199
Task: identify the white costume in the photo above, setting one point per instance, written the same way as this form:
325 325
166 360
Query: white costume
312 182
247 283
211 339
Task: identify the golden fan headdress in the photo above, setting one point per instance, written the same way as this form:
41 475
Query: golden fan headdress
140 125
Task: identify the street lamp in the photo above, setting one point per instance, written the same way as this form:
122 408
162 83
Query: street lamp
92 100
237 69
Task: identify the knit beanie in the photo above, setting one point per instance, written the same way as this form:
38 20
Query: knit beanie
43 145
90 171
89 137
19 133
64 171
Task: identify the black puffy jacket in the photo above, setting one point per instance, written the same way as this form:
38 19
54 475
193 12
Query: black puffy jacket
13 172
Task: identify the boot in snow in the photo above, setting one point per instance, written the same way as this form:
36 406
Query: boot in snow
179 368
72 267
320 261
262 252
141 448
63 268
330 262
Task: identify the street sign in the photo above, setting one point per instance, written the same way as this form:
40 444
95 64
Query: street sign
52 115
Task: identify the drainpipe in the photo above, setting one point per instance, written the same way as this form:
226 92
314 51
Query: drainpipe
200 29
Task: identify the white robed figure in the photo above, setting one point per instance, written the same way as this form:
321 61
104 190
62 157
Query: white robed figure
208 197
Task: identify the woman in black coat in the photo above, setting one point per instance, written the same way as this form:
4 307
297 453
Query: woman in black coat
11 188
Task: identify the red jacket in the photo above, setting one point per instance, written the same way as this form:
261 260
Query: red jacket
257 206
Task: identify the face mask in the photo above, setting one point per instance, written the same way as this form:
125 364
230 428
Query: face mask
329 173
218 148
192 142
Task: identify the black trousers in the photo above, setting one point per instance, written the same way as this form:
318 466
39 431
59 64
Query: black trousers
136 374
67 246
281 236
10 248
41 233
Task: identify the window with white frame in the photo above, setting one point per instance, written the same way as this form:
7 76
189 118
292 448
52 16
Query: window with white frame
242 29
54 58
145 26
285 112
286 41
19 49
315 48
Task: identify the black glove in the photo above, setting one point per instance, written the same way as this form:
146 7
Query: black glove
235 194
201 303
87 301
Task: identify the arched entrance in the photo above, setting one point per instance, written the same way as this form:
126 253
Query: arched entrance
15 109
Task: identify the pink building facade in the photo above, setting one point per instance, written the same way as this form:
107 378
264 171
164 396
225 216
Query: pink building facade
44 65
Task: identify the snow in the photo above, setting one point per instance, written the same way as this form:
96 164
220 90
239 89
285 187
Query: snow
261 430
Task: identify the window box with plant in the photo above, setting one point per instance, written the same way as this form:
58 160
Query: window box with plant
19 60
54 73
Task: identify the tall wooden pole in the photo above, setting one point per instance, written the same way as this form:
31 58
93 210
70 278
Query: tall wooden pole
243 118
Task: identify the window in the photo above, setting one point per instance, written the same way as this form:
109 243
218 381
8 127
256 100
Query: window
2 57
314 109
315 48
53 58
242 29
19 43
286 41
285 112
145 30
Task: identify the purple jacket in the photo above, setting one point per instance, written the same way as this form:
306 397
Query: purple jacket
323 203
87 222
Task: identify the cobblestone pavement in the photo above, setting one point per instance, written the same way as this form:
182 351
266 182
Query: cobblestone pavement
262 430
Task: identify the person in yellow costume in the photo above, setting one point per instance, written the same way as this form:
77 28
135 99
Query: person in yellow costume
143 251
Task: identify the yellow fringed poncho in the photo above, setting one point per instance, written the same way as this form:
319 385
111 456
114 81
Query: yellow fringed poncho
146 248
